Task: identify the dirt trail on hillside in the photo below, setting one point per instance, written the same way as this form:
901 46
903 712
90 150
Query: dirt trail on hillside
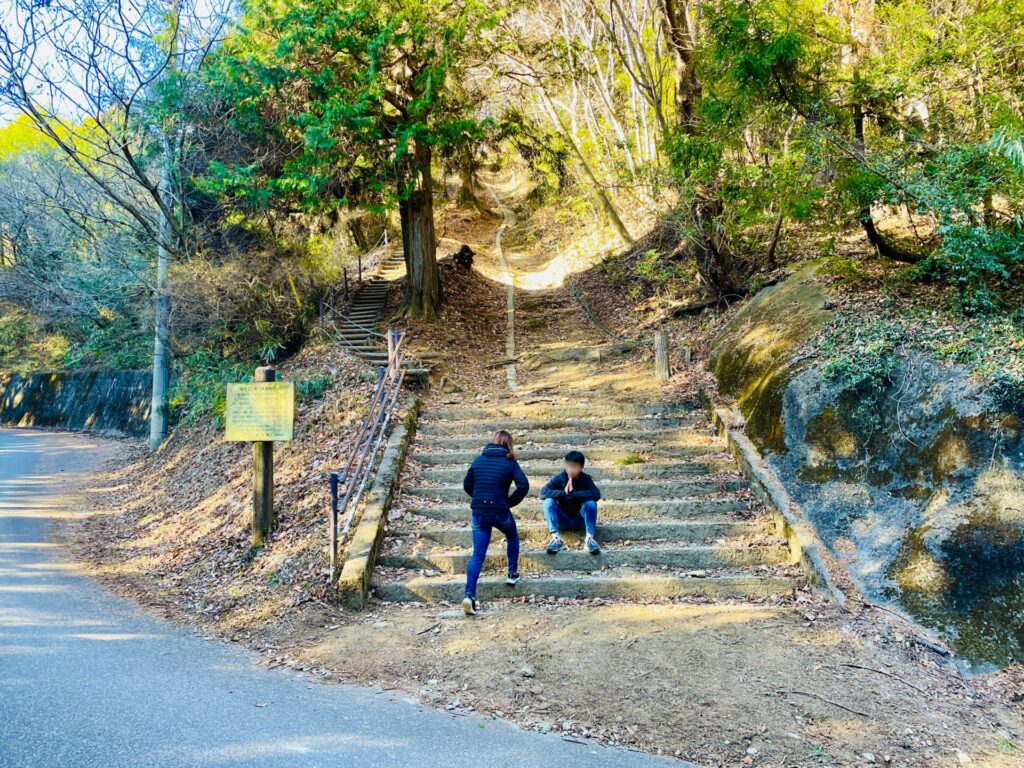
782 682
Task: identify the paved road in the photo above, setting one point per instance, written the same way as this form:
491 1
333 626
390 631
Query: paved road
88 681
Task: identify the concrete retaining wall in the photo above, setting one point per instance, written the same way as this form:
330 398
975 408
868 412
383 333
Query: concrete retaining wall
361 555
101 401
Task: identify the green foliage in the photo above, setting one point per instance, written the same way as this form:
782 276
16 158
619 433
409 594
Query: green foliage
351 94
861 354
201 392
846 271
23 348
312 389
630 459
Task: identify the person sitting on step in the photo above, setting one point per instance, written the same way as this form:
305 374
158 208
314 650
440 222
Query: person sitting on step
488 481
570 503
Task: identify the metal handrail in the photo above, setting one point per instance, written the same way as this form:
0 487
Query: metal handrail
329 306
369 439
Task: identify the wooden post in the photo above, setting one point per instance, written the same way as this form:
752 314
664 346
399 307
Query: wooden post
262 478
360 257
344 273
392 350
661 369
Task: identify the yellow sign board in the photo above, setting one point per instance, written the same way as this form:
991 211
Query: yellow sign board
261 412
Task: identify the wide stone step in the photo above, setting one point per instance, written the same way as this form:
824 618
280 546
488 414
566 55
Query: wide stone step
624 490
598 471
436 589
667 530
628 452
554 422
532 509
692 557
664 438
543 409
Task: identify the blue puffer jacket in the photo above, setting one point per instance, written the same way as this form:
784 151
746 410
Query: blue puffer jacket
489 478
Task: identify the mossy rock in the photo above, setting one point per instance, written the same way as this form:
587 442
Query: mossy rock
753 354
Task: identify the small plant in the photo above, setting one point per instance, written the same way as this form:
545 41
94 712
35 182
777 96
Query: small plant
630 459
1007 747
845 271
312 389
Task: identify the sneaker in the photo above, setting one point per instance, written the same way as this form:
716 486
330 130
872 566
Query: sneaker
470 606
592 546
555 545
512 580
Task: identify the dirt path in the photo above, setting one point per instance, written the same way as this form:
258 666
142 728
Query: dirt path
508 219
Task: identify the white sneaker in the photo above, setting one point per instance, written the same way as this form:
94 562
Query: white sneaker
470 606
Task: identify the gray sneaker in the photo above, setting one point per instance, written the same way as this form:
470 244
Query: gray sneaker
556 545
592 546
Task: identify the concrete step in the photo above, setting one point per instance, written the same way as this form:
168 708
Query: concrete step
598 470
641 486
687 531
528 409
603 455
640 586
619 490
555 422
532 510
682 558
681 438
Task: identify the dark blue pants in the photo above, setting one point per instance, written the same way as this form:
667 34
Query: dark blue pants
558 520
482 526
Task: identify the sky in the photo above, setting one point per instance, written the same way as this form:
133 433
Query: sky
137 21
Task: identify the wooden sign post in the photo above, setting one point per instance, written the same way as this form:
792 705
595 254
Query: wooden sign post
261 413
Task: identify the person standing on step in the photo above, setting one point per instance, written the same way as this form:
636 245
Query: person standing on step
488 481
570 503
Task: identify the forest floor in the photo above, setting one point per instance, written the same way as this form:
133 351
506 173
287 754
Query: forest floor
790 682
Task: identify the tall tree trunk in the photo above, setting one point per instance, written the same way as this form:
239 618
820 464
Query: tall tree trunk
162 316
419 246
716 261
681 43
162 299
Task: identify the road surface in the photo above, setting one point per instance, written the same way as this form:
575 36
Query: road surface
87 680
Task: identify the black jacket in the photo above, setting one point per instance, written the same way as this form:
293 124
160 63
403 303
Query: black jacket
583 489
489 478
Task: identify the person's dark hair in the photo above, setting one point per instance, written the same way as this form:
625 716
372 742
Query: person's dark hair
504 438
576 457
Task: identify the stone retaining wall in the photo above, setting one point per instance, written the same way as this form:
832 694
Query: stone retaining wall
101 401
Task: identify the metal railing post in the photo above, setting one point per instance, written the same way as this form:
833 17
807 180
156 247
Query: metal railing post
335 477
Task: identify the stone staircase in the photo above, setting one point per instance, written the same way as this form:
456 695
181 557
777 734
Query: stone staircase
358 329
676 518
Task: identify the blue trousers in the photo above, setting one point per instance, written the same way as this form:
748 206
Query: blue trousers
482 526
558 520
